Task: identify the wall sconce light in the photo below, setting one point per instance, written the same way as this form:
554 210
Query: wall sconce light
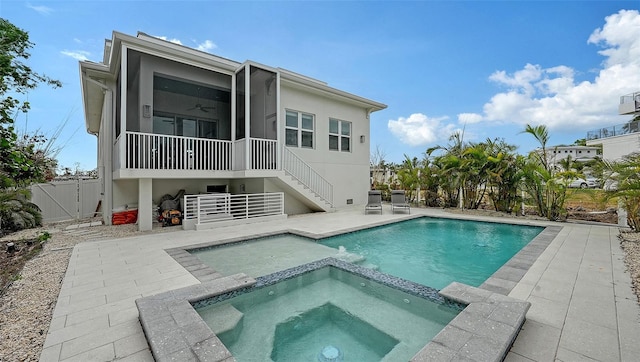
146 111
361 138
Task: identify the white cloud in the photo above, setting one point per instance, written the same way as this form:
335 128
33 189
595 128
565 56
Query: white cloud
551 96
620 37
76 54
44 10
206 46
469 118
174 40
420 130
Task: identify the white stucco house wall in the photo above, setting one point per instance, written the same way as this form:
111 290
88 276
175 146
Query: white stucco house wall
168 117
620 140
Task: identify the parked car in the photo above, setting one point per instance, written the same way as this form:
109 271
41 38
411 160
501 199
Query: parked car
589 182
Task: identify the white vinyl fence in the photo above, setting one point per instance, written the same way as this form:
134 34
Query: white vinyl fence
66 200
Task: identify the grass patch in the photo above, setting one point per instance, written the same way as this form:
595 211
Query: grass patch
590 199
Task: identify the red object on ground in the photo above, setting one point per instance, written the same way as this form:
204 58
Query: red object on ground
125 217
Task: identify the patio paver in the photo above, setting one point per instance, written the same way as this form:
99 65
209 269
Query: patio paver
581 300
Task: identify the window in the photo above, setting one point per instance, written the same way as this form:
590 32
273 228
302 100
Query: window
299 129
339 135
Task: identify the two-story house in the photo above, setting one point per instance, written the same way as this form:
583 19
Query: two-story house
169 118
557 154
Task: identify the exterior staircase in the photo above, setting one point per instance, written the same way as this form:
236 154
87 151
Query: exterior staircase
298 176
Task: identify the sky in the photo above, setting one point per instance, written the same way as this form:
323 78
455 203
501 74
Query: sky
486 68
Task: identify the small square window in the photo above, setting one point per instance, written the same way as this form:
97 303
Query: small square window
299 128
339 135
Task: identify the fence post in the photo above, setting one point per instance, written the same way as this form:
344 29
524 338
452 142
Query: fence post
246 206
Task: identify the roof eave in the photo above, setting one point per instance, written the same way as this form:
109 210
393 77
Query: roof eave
316 86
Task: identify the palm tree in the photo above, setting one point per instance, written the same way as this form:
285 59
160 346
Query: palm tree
504 174
566 163
408 175
541 134
546 188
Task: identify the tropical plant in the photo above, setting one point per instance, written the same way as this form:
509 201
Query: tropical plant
447 169
16 211
504 175
546 188
626 173
20 163
408 176
428 181
567 163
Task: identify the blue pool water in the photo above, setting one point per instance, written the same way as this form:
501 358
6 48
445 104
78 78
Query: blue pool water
436 252
326 315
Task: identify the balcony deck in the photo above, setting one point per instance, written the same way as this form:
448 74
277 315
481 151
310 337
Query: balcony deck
617 130
140 154
629 104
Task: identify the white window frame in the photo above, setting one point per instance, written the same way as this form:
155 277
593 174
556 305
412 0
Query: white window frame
340 135
299 129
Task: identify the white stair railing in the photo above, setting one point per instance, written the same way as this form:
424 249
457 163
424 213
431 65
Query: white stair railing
306 175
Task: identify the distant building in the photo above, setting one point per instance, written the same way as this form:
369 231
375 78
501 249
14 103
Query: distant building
623 139
577 153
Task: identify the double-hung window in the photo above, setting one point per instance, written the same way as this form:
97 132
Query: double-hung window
339 135
299 129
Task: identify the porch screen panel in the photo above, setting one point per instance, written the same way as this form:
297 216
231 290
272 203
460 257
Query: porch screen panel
263 103
240 104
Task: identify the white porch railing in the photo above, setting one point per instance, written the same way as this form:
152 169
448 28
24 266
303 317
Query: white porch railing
162 152
263 154
207 208
306 175
150 151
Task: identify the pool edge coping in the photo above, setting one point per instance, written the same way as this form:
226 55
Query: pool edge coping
488 306
484 330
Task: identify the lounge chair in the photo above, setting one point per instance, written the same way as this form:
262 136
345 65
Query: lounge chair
399 201
374 203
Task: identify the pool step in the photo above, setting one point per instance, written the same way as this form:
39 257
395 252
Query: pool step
224 319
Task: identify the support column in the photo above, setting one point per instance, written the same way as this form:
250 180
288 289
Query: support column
145 204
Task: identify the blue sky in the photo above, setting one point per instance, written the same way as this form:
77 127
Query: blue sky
488 67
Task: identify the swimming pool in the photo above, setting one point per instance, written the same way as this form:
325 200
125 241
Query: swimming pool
329 313
436 252
425 250
174 328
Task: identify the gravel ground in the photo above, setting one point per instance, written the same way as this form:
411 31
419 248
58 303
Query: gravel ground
27 305
630 243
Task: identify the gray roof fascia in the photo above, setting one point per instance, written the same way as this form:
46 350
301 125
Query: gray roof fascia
168 50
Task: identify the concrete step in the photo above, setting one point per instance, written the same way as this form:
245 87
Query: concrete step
225 318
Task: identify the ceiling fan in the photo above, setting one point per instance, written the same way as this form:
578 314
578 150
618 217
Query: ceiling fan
201 107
